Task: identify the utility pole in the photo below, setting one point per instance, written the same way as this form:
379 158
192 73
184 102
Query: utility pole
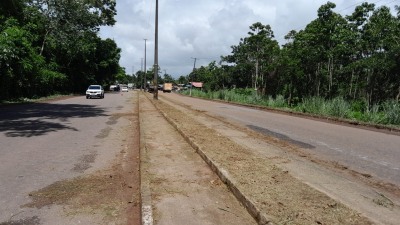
155 96
194 64
133 74
145 69
141 69
194 68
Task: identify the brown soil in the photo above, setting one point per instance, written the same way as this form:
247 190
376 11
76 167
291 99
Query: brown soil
274 191
112 193
177 185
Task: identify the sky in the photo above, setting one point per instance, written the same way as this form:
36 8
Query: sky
195 33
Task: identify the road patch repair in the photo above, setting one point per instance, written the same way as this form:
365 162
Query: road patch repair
270 195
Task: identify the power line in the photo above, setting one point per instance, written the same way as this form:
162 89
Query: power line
357 4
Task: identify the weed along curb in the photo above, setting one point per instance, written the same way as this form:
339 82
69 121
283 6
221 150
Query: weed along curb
256 213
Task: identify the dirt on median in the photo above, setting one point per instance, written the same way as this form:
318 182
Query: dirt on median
273 191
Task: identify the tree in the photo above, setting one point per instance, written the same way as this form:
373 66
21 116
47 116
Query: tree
52 45
354 57
18 62
258 50
71 35
12 9
168 78
182 80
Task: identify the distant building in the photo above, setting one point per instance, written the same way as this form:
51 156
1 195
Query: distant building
197 84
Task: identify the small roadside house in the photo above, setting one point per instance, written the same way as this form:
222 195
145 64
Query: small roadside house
198 85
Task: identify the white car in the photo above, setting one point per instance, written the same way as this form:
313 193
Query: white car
95 91
113 87
124 88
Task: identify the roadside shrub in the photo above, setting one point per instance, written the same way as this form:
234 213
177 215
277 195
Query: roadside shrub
338 107
254 98
312 105
391 110
244 91
359 105
221 95
278 102
356 115
386 113
373 115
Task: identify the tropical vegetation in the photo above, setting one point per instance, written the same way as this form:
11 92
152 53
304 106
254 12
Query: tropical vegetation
343 66
52 46
352 61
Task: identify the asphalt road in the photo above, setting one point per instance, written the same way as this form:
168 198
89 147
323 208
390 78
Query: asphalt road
368 152
43 143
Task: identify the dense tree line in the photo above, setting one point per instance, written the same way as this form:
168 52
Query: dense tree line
356 57
52 46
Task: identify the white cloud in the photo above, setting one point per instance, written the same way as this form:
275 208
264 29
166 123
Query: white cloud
203 29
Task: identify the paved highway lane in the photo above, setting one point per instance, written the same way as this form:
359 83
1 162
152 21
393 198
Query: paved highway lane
368 152
43 143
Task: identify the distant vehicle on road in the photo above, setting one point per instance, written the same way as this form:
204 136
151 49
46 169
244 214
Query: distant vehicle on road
124 88
167 87
113 87
95 91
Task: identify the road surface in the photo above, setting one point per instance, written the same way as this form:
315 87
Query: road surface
370 153
264 138
50 158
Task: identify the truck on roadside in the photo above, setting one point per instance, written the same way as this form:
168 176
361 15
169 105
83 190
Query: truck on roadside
167 87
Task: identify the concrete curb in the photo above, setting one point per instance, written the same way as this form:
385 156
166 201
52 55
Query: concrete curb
255 212
145 193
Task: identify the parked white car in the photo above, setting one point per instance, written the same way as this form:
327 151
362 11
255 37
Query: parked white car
124 88
96 91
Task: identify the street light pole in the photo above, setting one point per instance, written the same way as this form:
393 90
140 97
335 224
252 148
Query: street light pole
141 70
156 55
145 69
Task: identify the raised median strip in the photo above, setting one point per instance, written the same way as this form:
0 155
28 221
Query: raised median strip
270 194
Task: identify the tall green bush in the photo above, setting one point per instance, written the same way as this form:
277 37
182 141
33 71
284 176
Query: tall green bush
391 110
338 107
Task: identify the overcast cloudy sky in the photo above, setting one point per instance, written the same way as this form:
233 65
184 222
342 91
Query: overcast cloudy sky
205 29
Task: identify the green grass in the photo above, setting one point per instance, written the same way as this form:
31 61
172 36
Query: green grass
387 113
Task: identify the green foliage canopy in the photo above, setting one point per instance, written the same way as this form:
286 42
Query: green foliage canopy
51 46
